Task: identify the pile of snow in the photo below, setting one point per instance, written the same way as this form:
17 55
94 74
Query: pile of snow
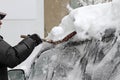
89 21
91 60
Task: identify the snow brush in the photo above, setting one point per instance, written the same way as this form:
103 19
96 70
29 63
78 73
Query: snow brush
66 38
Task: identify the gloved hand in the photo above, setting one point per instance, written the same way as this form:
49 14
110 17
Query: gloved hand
36 38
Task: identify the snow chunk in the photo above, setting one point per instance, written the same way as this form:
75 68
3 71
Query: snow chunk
89 21
65 27
57 31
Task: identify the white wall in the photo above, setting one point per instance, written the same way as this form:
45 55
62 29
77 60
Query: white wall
24 9
11 29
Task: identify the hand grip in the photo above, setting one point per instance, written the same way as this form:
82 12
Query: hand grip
23 36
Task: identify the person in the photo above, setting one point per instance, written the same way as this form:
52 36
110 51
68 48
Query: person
12 56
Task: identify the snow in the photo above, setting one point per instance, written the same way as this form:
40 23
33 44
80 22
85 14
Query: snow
54 58
89 21
57 31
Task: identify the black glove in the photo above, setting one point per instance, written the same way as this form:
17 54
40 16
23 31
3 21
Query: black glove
36 38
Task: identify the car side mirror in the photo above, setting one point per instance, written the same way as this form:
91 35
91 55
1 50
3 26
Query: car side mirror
16 74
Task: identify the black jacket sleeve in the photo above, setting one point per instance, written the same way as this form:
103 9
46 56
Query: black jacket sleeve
12 56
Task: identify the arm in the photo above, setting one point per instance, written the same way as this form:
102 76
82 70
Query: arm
12 56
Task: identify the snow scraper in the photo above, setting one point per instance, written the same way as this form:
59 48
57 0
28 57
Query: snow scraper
66 38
